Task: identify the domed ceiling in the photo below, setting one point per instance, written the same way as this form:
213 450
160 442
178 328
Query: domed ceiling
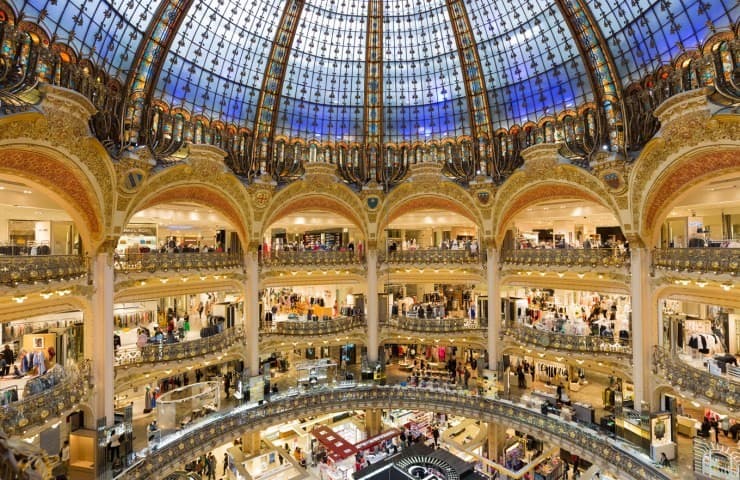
424 59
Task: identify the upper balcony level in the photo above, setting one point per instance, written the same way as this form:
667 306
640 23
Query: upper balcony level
697 263
52 395
722 389
33 269
156 262
600 260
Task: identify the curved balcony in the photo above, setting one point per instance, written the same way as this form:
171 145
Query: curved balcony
175 262
699 382
34 410
598 259
177 449
713 261
571 343
311 328
311 259
15 270
431 256
435 325
164 352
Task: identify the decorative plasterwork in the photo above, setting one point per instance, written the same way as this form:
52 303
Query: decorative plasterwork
472 337
665 286
323 193
610 282
202 179
689 131
271 342
424 192
139 286
301 276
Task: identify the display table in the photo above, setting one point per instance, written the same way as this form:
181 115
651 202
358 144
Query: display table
687 426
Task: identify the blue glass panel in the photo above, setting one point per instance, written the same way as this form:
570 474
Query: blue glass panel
106 32
645 34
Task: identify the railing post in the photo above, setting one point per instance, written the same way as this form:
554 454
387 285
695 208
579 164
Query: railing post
99 335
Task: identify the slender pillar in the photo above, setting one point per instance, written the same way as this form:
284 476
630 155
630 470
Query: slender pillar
251 443
372 304
373 422
643 324
99 336
494 306
496 437
251 310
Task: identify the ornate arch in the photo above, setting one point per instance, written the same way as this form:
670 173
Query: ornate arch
532 185
317 192
428 193
692 147
62 180
188 183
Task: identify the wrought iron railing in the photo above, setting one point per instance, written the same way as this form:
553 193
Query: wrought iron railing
435 325
312 258
16 270
593 446
163 262
698 260
160 352
572 343
34 410
678 373
566 258
319 327
431 256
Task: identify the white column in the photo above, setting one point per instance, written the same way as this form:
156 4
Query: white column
372 304
99 337
494 306
643 324
252 313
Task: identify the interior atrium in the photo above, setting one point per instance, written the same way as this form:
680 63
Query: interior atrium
359 239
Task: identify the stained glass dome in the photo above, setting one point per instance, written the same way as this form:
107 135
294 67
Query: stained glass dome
378 71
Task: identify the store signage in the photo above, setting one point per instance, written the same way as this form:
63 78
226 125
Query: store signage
377 439
140 229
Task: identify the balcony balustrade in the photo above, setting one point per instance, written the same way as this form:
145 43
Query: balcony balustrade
573 343
16 270
165 262
319 327
715 261
435 325
577 258
311 259
175 450
162 352
61 393
699 382
431 256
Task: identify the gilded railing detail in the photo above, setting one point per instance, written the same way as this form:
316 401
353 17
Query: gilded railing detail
716 388
714 261
554 258
435 325
431 256
593 446
15 270
573 343
163 262
318 259
320 327
162 352
34 410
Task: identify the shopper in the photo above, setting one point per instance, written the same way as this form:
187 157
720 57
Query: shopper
64 456
226 462
435 436
9 358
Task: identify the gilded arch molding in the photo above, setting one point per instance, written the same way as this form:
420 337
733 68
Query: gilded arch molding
61 179
320 193
689 130
690 293
680 176
184 183
428 193
563 181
